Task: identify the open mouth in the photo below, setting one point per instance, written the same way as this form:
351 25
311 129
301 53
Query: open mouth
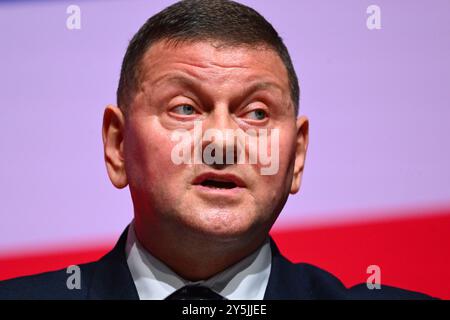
215 181
215 184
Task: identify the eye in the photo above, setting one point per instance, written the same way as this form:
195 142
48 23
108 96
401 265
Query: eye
257 114
184 109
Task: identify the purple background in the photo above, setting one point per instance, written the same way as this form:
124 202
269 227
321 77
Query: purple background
378 102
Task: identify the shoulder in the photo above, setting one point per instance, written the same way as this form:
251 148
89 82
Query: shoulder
385 292
325 285
57 284
107 278
290 280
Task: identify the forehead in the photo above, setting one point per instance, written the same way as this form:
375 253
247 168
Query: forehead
212 61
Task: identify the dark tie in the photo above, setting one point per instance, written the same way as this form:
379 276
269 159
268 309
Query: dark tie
195 292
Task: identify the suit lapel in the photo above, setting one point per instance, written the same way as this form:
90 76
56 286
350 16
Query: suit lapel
112 278
286 281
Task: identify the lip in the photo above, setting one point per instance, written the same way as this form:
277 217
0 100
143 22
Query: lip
224 177
219 194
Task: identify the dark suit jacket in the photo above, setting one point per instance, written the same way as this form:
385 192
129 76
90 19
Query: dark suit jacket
110 278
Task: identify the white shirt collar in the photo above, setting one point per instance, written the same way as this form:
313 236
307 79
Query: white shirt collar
245 280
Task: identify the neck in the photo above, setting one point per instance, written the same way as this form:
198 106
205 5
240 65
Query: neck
196 257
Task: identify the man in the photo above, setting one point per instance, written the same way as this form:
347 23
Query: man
196 74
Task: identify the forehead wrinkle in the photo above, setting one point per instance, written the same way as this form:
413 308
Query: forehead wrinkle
204 72
189 77
211 64
189 67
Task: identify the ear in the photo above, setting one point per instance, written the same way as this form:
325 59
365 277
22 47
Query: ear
112 134
300 154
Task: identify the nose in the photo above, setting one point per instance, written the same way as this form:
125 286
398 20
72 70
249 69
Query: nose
220 143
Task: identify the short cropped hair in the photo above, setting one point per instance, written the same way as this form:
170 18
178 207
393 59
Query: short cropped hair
229 22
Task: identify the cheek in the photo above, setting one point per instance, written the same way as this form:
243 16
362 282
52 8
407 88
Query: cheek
278 153
148 156
276 185
286 152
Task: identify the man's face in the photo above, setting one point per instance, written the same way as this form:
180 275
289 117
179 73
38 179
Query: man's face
223 88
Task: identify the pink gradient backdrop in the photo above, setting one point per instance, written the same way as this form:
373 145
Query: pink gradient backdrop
378 102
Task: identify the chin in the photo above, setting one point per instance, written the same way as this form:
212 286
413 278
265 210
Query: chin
223 227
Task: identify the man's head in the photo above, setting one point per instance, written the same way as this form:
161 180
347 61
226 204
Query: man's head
229 23
220 64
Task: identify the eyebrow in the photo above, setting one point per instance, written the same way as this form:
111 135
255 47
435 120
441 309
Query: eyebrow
260 86
175 78
191 82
